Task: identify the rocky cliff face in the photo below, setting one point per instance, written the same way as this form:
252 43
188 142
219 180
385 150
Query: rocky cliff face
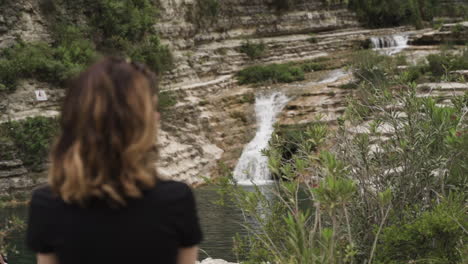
213 118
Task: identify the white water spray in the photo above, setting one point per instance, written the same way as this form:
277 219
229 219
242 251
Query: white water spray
252 167
390 45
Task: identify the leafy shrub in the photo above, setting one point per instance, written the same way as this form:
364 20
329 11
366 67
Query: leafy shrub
253 50
283 5
439 65
130 20
157 56
312 40
7 229
32 137
46 63
371 67
412 74
126 28
209 9
292 145
283 73
433 237
166 100
312 66
384 13
457 29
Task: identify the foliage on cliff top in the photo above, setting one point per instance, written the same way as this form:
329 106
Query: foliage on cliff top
123 28
41 61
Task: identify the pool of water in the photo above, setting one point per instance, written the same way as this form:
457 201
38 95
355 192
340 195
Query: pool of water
219 224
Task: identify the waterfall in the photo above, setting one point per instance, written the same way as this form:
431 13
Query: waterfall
390 44
252 167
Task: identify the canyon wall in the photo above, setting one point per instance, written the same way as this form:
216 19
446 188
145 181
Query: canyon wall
213 116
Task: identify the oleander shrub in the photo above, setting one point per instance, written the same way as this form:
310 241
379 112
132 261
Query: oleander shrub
291 146
275 73
435 236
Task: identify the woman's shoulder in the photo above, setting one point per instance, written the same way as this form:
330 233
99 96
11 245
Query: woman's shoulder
45 196
168 190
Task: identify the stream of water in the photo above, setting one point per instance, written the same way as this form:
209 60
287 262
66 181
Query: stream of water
252 167
390 45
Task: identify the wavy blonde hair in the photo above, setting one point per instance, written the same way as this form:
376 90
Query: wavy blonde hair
108 129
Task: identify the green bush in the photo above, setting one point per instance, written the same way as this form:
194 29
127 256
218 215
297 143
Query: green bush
457 29
209 9
412 74
166 100
43 62
32 137
157 56
312 66
283 5
122 28
126 30
293 145
441 64
312 40
276 73
385 13
130 20
371 67
433 237
253 50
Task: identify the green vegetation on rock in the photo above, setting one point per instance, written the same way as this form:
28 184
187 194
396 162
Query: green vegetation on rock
274 73
123 28
278 73
32 138
54 64
253 50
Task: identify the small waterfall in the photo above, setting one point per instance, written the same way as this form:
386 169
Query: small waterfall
390 44
252 167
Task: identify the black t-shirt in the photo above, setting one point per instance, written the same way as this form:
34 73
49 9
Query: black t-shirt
147 230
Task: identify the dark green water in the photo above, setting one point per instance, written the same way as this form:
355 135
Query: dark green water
219 224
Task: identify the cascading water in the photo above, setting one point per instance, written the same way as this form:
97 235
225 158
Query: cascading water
390 44
252 167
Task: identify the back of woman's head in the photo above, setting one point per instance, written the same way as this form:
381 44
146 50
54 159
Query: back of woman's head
108 128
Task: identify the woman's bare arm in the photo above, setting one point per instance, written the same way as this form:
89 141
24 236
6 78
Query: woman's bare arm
186 255
47 259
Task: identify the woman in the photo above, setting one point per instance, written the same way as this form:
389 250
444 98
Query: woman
104 202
